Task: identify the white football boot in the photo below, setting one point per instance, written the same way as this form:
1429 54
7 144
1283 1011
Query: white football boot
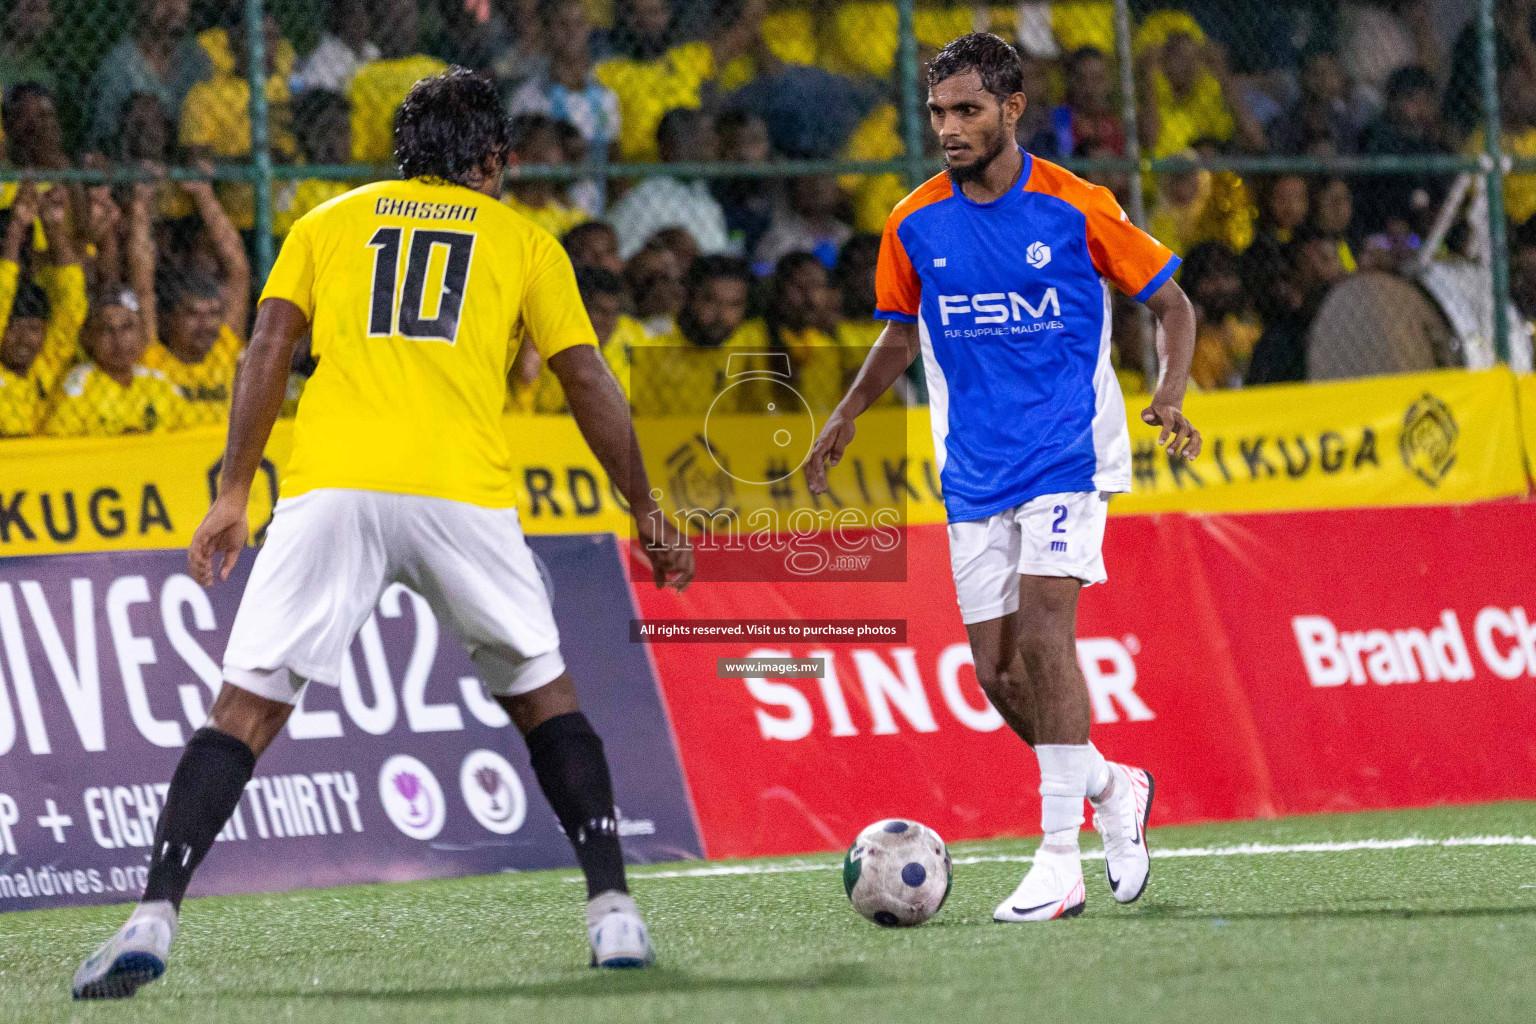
619 937
1121 822
1053 888
134 956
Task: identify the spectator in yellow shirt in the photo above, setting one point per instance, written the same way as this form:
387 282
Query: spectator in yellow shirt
682 372
602 292
875 195
112 392
536 140
195 325
322 125
803 319
216 120
41 321
1202 206
857 329
221 45
859 38
656 280
146 134
1184 91
593 243
1198 205
1517 107
656 71
21 389
1226 327
379 86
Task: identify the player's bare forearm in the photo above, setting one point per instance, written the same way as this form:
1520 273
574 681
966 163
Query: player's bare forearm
1175 340
897 346
1176 351
259 390
602 415
893 352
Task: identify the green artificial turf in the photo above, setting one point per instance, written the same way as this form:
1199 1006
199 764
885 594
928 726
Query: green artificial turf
1424 934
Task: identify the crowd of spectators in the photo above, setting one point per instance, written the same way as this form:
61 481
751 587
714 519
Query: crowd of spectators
125 307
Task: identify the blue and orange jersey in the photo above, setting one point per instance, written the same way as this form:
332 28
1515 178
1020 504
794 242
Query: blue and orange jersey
1012 303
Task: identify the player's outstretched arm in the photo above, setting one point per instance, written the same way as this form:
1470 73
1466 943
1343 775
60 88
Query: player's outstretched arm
259 388
1175 350
897 346
602 414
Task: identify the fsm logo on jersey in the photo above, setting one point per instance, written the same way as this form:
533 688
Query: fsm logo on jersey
411 797
1001 307
492 792
1038 254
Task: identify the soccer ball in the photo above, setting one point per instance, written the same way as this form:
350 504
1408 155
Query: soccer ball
897 873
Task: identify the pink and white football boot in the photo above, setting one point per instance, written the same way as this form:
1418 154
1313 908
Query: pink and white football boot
1121 821
1053 888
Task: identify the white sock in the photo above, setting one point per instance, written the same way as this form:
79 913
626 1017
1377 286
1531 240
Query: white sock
1063 785
161 910
606 903
1100 778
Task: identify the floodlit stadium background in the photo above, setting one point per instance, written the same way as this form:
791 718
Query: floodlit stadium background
1337 584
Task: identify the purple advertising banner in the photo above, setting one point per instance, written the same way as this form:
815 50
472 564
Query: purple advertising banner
405 771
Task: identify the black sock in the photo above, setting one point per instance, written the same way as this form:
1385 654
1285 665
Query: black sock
207 785
568 759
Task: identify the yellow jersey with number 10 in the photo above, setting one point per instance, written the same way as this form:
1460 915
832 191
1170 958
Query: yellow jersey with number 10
414 294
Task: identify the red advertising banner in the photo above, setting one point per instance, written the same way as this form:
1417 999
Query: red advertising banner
1256 664
1388 657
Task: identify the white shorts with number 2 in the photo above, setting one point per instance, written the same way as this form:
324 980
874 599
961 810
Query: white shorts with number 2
1052 535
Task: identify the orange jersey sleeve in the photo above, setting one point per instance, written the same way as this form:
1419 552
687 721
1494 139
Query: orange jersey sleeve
898 291
1137 263
1125 255
1133 260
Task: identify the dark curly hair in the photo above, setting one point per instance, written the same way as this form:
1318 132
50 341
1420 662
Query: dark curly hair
709 268
998 64
31 302
598 281
449 125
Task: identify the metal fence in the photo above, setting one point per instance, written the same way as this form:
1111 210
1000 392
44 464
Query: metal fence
1336 175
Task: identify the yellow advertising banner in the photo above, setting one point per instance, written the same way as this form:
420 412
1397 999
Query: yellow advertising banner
1527 387
1443 437
127 493
119 493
